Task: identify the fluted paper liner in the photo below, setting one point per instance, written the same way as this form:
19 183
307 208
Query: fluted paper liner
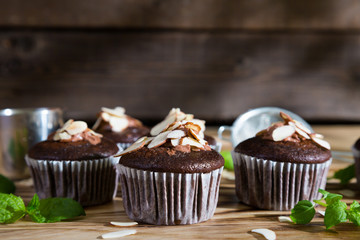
90 182
169 198
267 184
357 164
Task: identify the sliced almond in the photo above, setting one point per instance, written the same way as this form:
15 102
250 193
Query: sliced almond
283 132
105 116
162 125
176 134
285 116
267 233
159 140
118 234
195 135
64 136
97 123
76 127
118 124
200 123
322 213
320 142
173 126
189 117
180 116
299 131
124 224
118 111
66 125
302 127
193 126
175 142
190 141
135 146
317 135
285 219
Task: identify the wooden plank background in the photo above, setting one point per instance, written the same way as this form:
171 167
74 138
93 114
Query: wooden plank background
212 58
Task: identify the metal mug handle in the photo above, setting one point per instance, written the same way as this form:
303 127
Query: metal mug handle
221 130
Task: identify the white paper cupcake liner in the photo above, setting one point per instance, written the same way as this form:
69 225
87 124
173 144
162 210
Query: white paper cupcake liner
267 184
169 198
90 182
356 154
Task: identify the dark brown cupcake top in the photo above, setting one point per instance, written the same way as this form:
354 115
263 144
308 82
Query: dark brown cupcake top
167 159
211 140
128 135
80 150
287 141
74 141
284 151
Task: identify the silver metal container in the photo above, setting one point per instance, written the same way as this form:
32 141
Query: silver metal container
20 129
254 120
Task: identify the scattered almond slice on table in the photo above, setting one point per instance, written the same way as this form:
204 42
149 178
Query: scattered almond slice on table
118 234
321 212
267 233
124 224
285 219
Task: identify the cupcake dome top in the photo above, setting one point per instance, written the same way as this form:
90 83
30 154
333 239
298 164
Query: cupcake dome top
177 145
116 125
74 141
287 141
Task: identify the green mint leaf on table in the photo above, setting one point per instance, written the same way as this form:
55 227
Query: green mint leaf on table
303 212
33 210
228 164
335 213
345 175
329 197
57 209
353 214
12 208
6 185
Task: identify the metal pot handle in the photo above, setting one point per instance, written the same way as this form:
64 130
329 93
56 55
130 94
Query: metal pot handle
221 130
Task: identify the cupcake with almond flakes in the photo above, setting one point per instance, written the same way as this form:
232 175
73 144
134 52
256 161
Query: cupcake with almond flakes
119 127
173 176
281 165
75 162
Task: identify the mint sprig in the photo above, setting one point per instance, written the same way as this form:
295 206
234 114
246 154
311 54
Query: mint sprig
336 210
12 208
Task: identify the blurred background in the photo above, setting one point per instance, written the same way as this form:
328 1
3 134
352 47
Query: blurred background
213 58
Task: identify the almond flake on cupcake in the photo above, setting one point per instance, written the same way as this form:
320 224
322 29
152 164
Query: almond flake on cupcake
178 130
293 131
74 131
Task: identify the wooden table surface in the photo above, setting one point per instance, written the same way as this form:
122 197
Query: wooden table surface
232 220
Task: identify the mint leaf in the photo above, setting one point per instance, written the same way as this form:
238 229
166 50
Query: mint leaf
12 208
57 209
329 197
303 212
353 214
346 174
33 210
6 185
228 164
335 213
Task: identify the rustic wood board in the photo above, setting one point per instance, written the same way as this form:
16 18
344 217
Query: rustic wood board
215 75
183 14
232 220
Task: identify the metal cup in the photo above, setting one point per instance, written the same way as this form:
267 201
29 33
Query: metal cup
20 129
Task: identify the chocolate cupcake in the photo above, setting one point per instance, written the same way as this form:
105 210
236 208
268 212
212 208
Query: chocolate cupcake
281 165
74 162
172 177
119 127
356 153
213 143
